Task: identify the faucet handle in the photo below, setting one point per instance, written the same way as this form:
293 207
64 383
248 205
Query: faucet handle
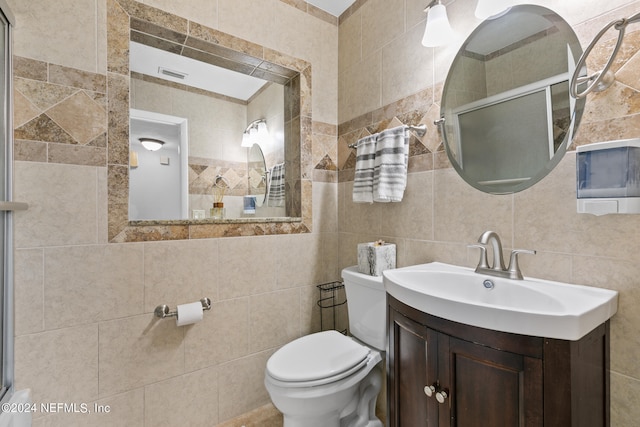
483 262
514 268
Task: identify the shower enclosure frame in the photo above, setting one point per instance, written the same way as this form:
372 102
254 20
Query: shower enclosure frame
6 206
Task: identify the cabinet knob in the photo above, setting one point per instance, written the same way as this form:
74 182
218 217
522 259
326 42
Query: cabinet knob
441 396
429 390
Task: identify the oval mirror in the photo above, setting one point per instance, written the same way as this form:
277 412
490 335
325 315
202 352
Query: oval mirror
506 113
257 169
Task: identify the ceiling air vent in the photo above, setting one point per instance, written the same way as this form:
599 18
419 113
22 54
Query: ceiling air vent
171 73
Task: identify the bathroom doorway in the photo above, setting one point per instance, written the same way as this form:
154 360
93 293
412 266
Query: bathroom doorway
159 179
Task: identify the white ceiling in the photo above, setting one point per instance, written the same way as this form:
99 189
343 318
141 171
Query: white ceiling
334 7
148 60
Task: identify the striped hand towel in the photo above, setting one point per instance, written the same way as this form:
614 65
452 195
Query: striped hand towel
365 163
390 170
276 186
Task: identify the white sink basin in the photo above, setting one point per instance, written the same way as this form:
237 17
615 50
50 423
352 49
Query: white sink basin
530 307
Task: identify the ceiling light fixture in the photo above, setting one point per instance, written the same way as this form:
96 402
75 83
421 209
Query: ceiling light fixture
438 31
256 133
151 144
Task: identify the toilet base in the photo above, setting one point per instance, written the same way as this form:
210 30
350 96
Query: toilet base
359 412
364 414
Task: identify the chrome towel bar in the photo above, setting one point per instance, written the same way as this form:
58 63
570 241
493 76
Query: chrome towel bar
421 130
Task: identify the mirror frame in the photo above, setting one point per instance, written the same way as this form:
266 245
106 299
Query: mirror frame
574 123
127 18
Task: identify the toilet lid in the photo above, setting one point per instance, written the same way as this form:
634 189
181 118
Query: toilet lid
316 356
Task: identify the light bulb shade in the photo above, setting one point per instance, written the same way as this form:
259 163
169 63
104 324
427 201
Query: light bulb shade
151 144
246 140
438 31
263 133
492 8
256 133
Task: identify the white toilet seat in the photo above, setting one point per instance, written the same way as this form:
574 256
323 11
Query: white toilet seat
317 359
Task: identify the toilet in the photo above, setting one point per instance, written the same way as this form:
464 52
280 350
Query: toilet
327 379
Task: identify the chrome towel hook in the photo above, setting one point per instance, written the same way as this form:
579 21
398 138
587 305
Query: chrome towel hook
604 78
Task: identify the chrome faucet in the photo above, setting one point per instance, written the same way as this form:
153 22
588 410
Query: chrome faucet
497 268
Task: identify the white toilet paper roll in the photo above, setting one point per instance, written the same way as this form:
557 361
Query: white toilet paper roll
189 313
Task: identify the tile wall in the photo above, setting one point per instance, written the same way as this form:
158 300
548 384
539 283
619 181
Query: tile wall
85 332
387 78
84 327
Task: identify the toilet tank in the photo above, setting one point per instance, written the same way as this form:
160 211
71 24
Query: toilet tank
367 307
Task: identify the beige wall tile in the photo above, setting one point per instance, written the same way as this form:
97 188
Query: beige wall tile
62 204
621 276
247 266
49 32
414 215
302 251
106 283
462 213
400 78
360 88
201 11
358 217
382 21
309 310
625 393
325 207
274 319
239 17
222 335
59 365
350 42
141 356
414 252
29 291
241 385
137 351
180 272
546 218
330 245
190 399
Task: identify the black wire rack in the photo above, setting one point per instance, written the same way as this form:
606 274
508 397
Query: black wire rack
330 299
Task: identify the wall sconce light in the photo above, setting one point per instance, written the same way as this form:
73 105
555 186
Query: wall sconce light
492 8
151 144
256 133
438 31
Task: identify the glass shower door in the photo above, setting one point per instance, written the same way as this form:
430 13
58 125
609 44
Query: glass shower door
6 205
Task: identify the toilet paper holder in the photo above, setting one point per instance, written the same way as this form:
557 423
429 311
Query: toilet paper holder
163 310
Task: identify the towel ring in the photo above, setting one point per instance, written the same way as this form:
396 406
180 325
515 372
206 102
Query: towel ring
604 78
224 180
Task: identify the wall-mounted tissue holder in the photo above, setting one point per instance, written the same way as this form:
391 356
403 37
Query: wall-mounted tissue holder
608 177
163 311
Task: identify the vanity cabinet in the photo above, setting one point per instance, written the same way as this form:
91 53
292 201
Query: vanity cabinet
442 373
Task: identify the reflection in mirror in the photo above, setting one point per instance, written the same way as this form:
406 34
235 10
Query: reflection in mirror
130 22
508 116
258 177
216 105
158 179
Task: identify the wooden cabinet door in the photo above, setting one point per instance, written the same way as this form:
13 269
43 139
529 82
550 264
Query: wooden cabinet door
412 366
488 387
